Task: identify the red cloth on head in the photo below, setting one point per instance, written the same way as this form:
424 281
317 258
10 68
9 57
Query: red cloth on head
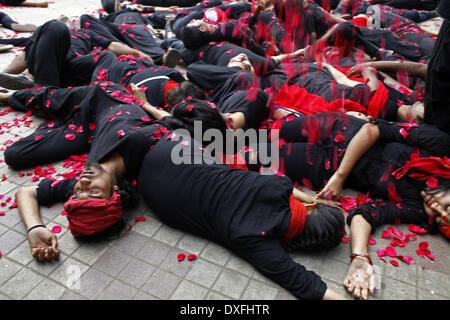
298 219
169 86
87 217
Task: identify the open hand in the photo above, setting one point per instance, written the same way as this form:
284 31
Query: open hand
43 244
332 189
360 279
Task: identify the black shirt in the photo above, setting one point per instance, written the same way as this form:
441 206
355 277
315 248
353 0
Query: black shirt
246 212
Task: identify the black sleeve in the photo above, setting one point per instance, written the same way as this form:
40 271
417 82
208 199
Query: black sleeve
425 137
99 40
270 258
49 191
137 144
240 35
379 212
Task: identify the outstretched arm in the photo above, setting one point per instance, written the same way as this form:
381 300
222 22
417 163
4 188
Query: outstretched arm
358 146
42 241
140 96
414 69
122 49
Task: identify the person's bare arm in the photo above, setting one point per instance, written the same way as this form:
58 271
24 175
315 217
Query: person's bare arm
332 295
358 146
155 112
414 69
42 241
339 76
139 94
360 278
122 49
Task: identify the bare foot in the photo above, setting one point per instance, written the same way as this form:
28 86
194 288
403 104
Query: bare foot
23 27
360 279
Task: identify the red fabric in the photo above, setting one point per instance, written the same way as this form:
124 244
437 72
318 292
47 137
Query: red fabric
169 86
87 217
298 219
299 99
378 101
379 98
425 168
445 231
360 21
237 159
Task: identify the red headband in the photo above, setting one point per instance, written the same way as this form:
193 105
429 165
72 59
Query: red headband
90 216
298 219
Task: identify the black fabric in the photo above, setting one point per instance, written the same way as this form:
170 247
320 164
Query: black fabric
128 28
49 192
144 74
168 3
311 159
444 9
252 102
243 211
12 2
6 21
221 53
437 84
45 55
232 90
99 123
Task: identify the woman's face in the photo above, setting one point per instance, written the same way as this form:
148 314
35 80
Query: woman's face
437 206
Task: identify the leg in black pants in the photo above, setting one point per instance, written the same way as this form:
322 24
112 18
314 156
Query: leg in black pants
437 85
47 145
45 56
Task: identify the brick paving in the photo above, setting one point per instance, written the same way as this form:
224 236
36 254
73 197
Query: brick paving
142 264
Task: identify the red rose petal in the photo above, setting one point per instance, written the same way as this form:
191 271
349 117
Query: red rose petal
387 234
192 257
56 229
394 263
141 219
372 241
432 183
181 257
348 203
416 229
423 245
70 136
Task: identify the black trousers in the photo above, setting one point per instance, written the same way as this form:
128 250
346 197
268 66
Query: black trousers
409 4
437 84
46 54
49 142
6 20
127 28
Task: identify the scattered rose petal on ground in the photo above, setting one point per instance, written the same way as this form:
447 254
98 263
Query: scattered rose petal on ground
56 229
394 263
181 257
140 219
192 257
